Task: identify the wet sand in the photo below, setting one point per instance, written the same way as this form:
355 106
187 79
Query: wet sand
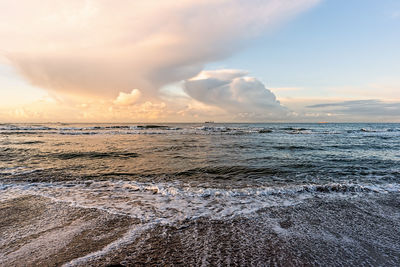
316 233
39 232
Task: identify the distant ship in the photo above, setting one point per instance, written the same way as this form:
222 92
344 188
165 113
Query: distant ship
209 122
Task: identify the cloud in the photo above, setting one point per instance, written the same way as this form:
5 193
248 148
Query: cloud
103 47
124 99
235 92
370 108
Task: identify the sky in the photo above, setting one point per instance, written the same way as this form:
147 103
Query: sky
195 61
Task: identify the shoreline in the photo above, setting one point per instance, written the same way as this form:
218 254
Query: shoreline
39 231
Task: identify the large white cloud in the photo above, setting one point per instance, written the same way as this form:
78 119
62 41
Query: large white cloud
104 47
235 92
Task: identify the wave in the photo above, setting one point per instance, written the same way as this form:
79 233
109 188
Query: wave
294 129
150 127
265 131
230 171
23 132
266 191
176 189
30 142
25 128
293 147
77 133
176 201
93 155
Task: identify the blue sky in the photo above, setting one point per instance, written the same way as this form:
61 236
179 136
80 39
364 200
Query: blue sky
336 43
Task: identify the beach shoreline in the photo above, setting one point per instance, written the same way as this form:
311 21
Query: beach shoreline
358 230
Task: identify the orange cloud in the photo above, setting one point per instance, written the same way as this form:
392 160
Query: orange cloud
102 47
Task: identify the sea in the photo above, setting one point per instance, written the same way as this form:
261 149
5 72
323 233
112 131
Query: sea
202 194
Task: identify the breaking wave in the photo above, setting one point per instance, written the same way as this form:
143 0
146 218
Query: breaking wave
167 202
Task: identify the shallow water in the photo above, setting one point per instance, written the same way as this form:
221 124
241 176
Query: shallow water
169 175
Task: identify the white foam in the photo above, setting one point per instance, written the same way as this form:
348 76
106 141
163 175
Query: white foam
175 201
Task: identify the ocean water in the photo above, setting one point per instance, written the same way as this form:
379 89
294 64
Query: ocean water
208 194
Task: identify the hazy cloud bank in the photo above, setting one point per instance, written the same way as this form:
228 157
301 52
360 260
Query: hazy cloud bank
371 108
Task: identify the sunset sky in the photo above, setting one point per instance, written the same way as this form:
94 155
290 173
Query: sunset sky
194 61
